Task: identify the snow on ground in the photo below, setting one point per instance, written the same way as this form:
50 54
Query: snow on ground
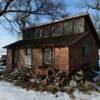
10 92
86 96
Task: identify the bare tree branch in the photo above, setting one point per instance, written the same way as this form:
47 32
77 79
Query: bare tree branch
21 11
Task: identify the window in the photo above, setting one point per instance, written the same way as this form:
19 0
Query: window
87 47
40 32
36 33
68 27
51 30
28 57
86 51
48 56
28 51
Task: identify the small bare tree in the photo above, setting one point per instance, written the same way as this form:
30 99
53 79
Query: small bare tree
93 4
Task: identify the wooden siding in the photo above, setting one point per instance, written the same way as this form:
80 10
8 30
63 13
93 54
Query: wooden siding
61 59
77 59
66 27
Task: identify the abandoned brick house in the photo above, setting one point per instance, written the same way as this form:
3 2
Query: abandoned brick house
66 44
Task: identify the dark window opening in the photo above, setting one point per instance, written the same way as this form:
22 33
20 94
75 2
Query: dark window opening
51 30
40 32
86 51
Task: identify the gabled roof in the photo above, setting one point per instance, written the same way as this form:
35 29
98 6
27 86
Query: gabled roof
66 40
85 15
57 40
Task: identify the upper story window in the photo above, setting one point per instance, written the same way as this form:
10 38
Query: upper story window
40 32
78 25
68 27
51 30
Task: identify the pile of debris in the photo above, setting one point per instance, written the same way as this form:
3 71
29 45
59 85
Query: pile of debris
55 80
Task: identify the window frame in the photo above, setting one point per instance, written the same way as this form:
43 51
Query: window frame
28 53
45 59
86 51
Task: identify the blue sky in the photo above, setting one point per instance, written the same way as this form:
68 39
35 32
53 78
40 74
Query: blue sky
74 6
6 37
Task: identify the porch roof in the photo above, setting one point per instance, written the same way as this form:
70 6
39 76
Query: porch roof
65 40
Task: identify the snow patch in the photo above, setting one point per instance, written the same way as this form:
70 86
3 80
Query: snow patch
11 92
86 96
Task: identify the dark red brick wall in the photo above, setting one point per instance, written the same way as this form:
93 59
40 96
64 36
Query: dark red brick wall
65 59
9 60
21 59
61 58
36 57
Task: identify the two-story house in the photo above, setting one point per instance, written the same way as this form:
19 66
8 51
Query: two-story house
66 44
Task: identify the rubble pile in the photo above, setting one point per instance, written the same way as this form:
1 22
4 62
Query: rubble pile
56 80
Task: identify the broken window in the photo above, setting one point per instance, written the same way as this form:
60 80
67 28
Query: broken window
52 29
48 56
40 32
28 57
28 51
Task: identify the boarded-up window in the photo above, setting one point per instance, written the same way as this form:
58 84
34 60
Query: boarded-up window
48 56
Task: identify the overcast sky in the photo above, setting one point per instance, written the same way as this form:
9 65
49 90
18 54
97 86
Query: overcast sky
73 6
